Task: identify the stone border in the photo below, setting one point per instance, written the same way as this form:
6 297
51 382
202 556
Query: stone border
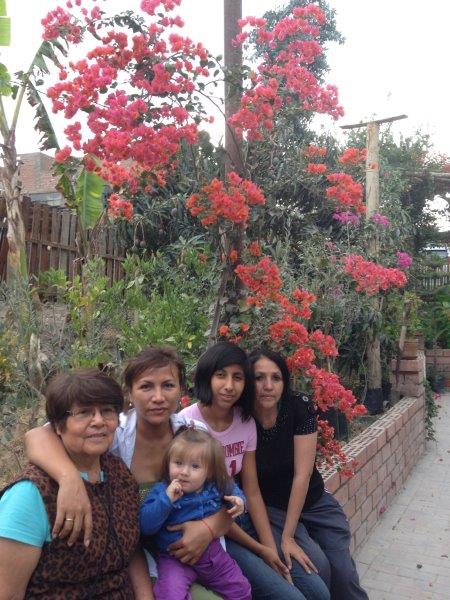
386 452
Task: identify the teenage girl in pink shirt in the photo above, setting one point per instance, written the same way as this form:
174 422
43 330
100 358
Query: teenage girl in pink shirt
223 386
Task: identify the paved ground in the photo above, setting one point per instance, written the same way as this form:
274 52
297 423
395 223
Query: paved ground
407 555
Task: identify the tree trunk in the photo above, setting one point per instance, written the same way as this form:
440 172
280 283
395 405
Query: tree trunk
16 266
232 12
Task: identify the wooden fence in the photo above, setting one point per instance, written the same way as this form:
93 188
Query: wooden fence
435 278
51 241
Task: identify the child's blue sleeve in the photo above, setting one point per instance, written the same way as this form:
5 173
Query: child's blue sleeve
236 491
155 510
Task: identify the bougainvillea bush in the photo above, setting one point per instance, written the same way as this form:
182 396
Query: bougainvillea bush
137 98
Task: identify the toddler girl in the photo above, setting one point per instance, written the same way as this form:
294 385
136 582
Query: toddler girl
195 485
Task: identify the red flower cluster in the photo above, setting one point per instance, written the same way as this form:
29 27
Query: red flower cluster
352 156
324 343
262 279
254 249
60 23
347 192
284 74
329 392
231 202
331 451
316 168
119 208
134 134
371 277
63 154
313 151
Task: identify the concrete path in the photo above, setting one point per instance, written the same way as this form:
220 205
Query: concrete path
407 555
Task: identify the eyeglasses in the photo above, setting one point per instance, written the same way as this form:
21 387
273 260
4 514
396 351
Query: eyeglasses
87 413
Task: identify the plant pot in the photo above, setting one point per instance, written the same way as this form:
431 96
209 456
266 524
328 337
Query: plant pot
410 348
338 421
386 391
437 384
373 401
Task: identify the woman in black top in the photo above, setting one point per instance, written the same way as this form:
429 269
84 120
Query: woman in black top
308 523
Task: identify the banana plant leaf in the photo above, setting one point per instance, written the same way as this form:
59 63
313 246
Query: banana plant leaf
43 124
5 30
5 26
5 81
89 192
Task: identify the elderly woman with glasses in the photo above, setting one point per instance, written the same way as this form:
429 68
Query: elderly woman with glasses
82 408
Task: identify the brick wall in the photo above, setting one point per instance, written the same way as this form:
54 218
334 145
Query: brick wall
440 359
386 452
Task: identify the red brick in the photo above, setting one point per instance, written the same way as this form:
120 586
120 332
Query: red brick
386 452
386 486
354 484
372 483
342 494
406 366
381 473
332 482
381 440
395 443
350 508
366 508
391 462
360 454
366 471
360 495
390 431
371 449
355 521
377 495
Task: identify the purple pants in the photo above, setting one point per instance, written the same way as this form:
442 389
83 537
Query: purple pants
215 569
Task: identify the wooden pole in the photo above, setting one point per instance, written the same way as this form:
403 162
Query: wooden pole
374 396
232 12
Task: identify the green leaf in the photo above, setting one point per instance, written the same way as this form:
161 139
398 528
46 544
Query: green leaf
43 124
5 31
89 192
5 81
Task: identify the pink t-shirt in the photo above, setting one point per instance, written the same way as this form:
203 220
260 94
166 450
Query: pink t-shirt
240 436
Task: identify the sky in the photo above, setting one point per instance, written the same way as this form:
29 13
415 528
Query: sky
392 62
394 59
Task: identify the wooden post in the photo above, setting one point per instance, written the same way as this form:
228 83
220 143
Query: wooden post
374 396
232 12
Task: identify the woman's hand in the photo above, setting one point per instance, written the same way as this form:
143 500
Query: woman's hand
270 556
237 508
196 538
291 549
73 511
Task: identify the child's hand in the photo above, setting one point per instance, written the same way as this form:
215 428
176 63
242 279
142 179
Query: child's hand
237 508
174 490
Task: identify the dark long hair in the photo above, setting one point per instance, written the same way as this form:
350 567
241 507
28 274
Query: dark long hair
279 360
219 356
